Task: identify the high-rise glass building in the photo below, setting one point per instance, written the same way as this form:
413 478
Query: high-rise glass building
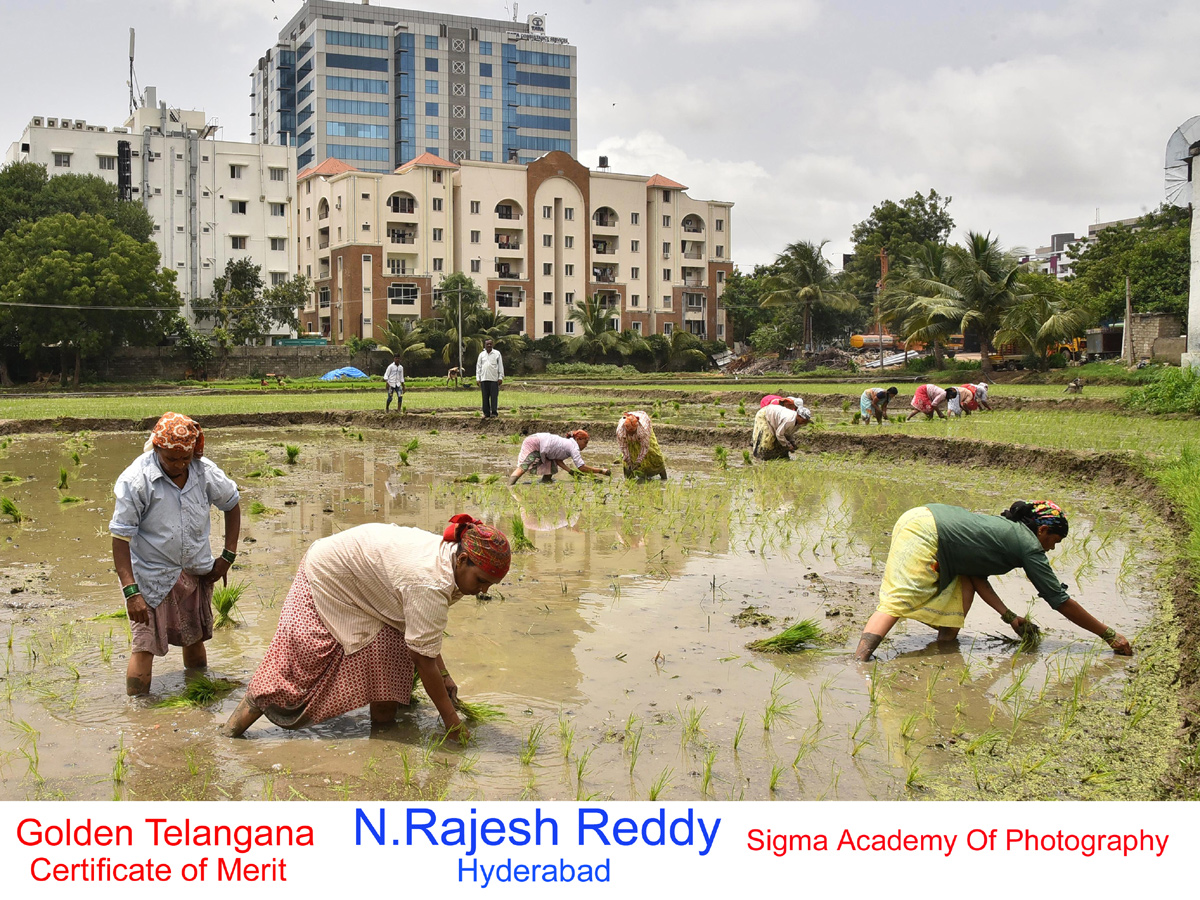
377 87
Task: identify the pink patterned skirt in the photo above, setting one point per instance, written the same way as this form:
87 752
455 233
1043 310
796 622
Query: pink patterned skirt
307 677
184 617
921 401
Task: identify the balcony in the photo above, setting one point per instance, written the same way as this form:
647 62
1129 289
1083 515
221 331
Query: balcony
401 237
693 282
325 303
508 270
508 300
604 248
604 276
693 229
505 243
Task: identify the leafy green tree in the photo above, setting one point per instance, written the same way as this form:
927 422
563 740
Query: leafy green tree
804 280
90 287
240 308
27 192
454 292
742 299
404 341
900 228
596 338
194 344
1156 256
1042 319
684 353
909 303
503 330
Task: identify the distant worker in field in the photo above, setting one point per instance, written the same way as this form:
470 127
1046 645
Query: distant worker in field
974 397
367 607
544 453
874 402
489 372
775 425
777 400
930 399
639 447
940 559
393 376
160 546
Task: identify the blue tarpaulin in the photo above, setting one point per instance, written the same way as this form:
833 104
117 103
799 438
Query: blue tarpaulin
344 372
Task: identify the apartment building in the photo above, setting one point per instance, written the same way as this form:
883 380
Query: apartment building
536 238
211 200
377 87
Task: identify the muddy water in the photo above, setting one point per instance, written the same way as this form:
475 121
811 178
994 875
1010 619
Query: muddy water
620 639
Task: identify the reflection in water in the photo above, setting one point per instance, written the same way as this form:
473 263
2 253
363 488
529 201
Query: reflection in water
621 619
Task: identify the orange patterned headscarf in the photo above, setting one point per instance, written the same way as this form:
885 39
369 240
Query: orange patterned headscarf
175 431
630 423
483 545
580 436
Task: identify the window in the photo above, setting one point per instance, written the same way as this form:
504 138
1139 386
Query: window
720 330
278 243
437 234
357 85
634 218
666 274
485 156
474 207
366 226
666 304
635 273
108 163
568 270
431 132
278 278
634 246
308 187
548 298
431 64
308 214
485 135
485 92
179 229
666 196
401 293
437 179
720 276
666 221
637 327
179 156
569 241
239 207
547 240
668 327
431 109
485 70
635 299
569 213
720 225
178 192
666 249
570 298
235 171
570 326
278 174
547 268
695 301
366 196
437 204
720 251
431 86
474 237
485 114
437 264
547 212
474 265
547 328
278 209
431 42
62 160
485 48
237 243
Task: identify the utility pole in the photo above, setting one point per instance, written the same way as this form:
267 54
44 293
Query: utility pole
1128 354
883 272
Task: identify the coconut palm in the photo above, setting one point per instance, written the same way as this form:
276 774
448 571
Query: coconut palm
1042 320
404 341
596 336
805 279
910 305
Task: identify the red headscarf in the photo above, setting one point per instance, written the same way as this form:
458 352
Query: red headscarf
175 431
579 435
486 547
630 423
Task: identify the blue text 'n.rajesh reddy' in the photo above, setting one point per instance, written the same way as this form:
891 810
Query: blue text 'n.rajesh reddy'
423 828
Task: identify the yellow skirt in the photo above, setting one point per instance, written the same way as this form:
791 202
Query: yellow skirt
910 579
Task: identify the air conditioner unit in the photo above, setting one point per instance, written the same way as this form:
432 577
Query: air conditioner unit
64 123
80 124
102 128
37 122
52 123
338 205
91 128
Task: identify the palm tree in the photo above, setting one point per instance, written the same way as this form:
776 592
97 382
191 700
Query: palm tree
597 337
404 341
911 301
489 323
1040 321
805 279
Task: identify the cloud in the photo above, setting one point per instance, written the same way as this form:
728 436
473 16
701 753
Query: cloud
703 21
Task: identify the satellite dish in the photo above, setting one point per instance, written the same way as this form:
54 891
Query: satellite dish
1182 148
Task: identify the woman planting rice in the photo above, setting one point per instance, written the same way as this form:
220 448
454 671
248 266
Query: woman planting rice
973 397
874 402
941 557
777 400
639 447
930 399
160 531
366 607
775 427
543 453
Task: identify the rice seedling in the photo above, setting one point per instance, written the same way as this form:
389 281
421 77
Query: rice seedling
908 726
706 773
407 772
690 722
663 781
200 691
799 636
581 765
985 741
634 746
778 709
10 509
120 770
62 478
746 458
912 775
533 742
75 457
722 456
480 712
106 647
257 508
115 614
566 734
8 478
473 478
517 538
70 499
468 763
293 453
773 781
225 600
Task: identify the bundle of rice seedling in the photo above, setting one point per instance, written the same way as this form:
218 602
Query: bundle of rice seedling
200 691
800 636
224 599
115 614
10 509
480 712
517 539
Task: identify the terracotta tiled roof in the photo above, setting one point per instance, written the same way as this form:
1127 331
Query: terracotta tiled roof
329 167
661 181
427 159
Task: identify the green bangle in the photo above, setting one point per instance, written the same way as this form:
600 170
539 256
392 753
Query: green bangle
228 555
445 673
131 590
1008 617
1108 635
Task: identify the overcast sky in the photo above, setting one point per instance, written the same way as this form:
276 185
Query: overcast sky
1034 116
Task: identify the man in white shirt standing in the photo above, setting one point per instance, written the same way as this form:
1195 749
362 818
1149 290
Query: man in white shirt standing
489 372
394 377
